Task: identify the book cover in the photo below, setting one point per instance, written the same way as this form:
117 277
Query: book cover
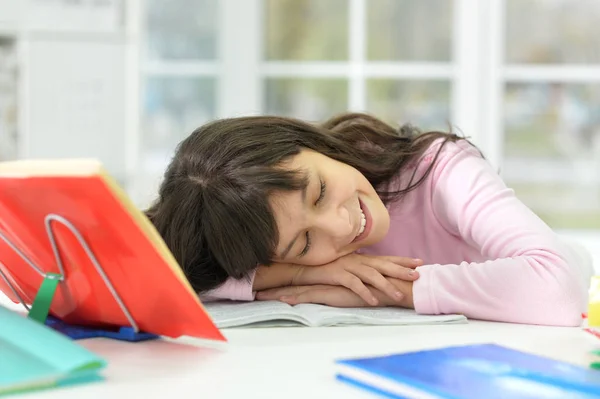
33 356
130 251
471 371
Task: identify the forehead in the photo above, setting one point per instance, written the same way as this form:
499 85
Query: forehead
289 212
286 203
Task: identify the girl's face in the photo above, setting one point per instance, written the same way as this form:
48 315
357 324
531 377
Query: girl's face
338 213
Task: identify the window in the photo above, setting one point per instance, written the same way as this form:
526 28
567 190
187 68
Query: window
387 57
521 78
552 109
179 75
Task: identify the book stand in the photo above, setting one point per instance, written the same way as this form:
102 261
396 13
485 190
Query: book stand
40 307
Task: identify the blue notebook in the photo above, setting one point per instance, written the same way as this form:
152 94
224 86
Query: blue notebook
34 356
470 372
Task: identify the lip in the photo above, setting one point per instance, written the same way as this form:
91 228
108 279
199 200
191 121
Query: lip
368 224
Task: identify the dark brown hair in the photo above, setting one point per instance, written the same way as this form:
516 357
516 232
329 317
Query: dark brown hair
212 209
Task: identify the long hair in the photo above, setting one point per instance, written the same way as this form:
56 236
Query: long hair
213 208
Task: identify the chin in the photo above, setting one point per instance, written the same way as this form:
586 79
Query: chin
375 238
377 221
381 226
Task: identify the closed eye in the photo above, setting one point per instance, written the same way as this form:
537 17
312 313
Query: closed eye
306 247
321 193
319 200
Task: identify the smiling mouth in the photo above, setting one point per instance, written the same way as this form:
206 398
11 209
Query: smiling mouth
365 222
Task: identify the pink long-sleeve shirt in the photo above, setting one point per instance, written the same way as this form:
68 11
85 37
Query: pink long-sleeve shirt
486 255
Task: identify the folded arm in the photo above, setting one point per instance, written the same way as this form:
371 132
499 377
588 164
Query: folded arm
531 277
353 271
262 278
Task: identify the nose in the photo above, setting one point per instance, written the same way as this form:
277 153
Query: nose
336 223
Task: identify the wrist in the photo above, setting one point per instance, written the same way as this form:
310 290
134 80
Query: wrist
405 287
274 276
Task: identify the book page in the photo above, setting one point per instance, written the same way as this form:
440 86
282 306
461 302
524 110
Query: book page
235 314
329 316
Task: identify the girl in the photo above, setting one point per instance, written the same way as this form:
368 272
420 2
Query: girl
355 213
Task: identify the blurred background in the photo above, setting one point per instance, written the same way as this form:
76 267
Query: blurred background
126 80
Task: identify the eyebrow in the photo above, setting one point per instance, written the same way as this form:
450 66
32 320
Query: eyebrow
289 247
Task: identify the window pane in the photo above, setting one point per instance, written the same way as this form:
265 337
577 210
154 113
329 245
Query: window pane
306 30
424 104
552 151
310 99
8 100
173 107
409 30
181 29
552 31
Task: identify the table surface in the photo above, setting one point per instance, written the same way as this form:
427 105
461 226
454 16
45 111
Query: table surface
292 362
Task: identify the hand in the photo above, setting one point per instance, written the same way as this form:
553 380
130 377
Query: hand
354 271
334 295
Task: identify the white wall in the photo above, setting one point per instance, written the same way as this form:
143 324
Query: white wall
71 65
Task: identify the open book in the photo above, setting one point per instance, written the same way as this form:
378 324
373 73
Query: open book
228 314
134 271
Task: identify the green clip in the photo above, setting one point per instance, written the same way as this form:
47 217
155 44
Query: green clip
595 352
43 299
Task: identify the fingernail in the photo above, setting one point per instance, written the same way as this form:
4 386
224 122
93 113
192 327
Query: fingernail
398 294
374 300
411 272
418 260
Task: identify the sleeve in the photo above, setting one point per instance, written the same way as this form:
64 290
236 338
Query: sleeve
232 289
532 276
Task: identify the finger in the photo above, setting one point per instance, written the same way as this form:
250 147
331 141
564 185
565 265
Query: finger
354 283
401 260
390 269
375 279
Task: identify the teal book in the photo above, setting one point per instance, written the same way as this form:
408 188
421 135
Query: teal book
34 356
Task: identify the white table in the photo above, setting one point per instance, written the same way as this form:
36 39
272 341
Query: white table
293 362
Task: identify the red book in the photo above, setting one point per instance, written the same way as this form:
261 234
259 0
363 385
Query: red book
132 254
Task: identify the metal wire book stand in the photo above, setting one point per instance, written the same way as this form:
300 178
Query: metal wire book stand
129 333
